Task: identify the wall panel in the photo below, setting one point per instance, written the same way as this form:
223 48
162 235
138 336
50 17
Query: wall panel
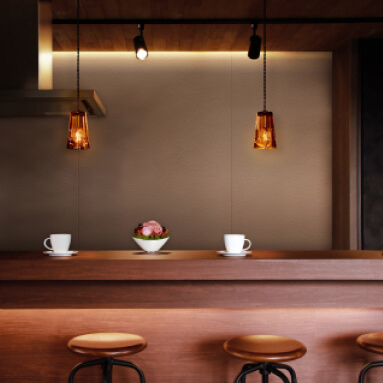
176 146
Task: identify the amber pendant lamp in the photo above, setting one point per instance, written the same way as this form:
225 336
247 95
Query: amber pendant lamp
264 124
78 135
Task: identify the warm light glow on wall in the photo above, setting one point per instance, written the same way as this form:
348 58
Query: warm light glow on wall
45 70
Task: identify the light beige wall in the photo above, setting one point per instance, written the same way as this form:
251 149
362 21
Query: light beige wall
176 146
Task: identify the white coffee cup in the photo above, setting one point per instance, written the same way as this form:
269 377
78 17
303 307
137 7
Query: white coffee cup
234 243
60 242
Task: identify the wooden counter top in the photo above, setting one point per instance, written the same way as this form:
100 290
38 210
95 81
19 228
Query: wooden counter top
194 265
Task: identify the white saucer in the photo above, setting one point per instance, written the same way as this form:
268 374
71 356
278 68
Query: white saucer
64 254
241 254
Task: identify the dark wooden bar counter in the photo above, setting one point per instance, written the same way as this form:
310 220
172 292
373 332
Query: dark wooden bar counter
192 279
194 265
186 304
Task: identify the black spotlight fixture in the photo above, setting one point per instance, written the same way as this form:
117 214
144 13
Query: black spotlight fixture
255 44
139 44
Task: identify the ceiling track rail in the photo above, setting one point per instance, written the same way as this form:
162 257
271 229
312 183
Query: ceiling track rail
293 20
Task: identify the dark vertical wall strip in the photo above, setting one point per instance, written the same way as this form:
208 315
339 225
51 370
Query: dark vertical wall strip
372 143
19 67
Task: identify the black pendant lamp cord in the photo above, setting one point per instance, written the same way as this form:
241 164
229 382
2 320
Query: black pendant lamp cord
264 57
78 55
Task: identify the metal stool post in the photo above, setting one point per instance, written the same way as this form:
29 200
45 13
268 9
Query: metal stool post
265 369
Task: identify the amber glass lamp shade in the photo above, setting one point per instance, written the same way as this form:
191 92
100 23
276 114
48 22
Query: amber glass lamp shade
78 135
264 131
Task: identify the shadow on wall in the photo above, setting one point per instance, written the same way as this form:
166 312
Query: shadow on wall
347 360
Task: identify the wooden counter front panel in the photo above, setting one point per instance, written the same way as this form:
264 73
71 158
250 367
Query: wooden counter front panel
184 345
194 266
190 294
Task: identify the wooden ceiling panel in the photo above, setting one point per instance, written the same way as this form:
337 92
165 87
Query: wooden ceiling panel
218 9
315 37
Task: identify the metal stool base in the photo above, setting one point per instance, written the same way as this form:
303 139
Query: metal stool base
107 366
265 369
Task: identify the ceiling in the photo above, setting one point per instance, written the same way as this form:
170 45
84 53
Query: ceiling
282 37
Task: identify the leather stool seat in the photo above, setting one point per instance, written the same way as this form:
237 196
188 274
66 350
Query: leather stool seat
371 342
104 345
265 348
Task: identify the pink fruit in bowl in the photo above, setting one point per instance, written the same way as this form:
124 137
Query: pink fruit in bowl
152 223
157 229
147 230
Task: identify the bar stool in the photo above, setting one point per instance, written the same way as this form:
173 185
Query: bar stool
264 352
373 343
106 346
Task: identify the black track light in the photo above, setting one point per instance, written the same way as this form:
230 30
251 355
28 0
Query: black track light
139 44
255 44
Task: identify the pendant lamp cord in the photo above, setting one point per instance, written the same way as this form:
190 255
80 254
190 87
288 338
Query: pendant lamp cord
78 110
231 143
78 55
264 56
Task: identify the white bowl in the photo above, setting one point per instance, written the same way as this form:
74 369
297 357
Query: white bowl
151 245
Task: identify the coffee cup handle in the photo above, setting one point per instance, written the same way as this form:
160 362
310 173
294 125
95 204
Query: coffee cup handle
45 244
248 247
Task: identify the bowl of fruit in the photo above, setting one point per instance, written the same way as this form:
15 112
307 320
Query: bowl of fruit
150 236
